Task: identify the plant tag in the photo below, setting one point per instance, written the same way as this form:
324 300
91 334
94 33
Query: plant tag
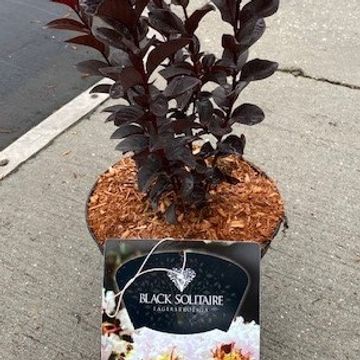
181 300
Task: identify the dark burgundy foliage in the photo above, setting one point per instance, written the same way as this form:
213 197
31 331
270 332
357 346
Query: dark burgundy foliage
159 125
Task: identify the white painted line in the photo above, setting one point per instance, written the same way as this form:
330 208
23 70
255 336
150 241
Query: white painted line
41 135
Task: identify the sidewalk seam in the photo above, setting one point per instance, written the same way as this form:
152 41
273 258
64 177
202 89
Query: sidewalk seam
299 72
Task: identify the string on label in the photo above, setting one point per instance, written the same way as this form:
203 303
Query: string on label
141 272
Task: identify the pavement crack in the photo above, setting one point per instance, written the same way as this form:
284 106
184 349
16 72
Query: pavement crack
299 72
33 338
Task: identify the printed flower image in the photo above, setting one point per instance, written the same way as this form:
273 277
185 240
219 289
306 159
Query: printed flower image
170 356
108 302
120 341
229 352
116 342
240 342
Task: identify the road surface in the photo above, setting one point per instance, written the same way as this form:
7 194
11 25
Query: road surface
36 68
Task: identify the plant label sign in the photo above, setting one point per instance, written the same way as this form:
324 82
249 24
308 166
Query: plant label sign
181 300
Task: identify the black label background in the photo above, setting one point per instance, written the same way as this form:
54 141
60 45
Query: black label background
245 254
214 276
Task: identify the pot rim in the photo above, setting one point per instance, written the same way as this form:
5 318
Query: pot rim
265 245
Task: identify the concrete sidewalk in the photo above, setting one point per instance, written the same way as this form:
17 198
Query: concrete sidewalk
51 270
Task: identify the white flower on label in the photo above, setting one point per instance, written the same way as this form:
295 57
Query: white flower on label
108 302
106 347
243 337
113 345
119 346
125 321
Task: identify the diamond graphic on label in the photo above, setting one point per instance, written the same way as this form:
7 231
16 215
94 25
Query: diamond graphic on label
182 278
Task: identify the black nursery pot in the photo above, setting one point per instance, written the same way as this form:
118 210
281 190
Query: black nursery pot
264 245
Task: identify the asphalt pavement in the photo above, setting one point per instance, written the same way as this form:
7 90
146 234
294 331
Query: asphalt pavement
36 68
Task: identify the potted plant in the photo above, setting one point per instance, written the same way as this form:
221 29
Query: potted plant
186 176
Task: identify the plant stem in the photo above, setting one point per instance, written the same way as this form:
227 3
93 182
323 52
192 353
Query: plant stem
185 13
234 77
238 3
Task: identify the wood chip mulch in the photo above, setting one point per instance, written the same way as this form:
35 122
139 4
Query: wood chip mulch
249 211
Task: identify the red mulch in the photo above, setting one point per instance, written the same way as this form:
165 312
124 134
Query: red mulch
249 211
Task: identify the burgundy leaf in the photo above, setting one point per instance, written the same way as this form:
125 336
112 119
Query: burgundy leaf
180 85
229 42
112 72
248 114
161 185
187 183
227 61
240 87
181 153
258 69
251 32
177 69
218 176
154 91
130 77
88 40
198 196
74 4
140 6
195 46
216 76
227 9
118 10
183 100
114 108
160 141
134 143
205 110
159 106
260 8
120 58
170 214
117 90
124 114
125 130
183 3
181 126
166 22
118 26
91 67
218 127
206 150
233 145
68 24
267 7
141 100
221 97
208 60
102 88
192 23
127 77
161 52
142 28
148 172
113 38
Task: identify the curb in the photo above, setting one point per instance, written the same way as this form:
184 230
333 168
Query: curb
41 135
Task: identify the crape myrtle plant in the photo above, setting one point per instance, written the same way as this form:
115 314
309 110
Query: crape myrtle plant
160 126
